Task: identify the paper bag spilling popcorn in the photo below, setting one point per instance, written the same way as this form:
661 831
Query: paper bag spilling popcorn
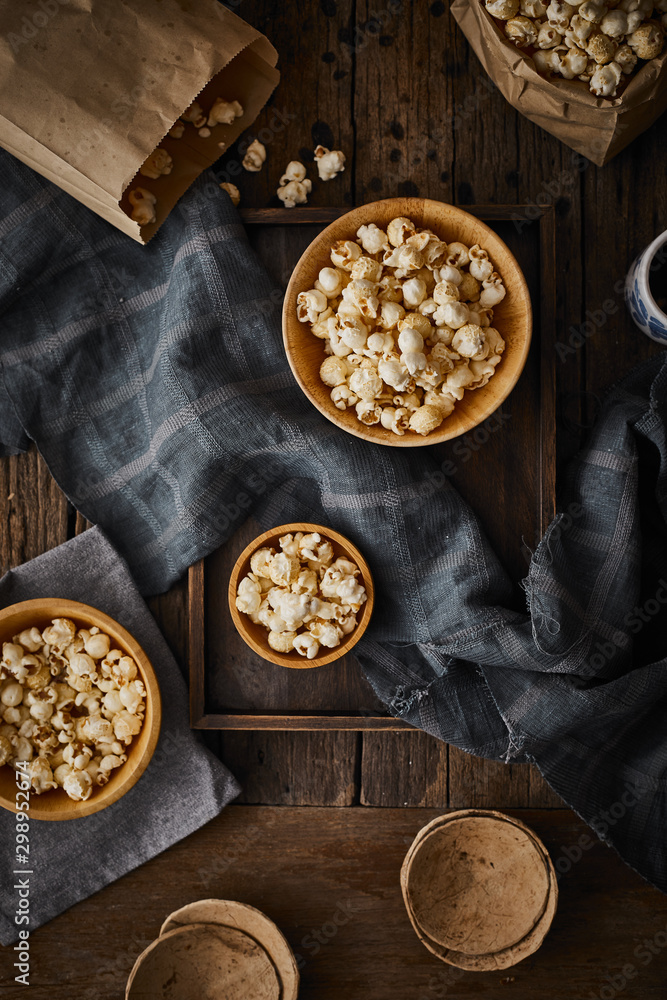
89 89
596 127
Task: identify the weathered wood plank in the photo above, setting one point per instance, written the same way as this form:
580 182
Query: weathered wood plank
330 880
487 784
33 511
294 769
403 769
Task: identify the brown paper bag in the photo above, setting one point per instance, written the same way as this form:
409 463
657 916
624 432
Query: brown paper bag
88 88
596 127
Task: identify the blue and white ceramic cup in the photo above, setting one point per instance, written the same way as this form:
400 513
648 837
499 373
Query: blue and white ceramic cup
638 296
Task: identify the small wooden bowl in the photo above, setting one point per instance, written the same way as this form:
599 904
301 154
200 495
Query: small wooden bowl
256 636
513 317
480 889
56 804
204 960
228 913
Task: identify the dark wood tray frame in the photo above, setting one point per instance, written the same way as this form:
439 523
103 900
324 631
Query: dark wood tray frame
546 310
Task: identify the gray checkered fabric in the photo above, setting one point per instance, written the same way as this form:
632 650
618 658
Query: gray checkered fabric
155 383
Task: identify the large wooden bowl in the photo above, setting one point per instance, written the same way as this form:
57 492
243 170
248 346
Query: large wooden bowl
513 317
56 804
257 637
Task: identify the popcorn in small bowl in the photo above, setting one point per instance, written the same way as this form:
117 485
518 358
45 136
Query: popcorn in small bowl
301 593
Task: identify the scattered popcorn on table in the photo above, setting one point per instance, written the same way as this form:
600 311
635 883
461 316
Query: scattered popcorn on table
254 157
329 162
143 206
406 321
294 186
597 43
69 704
232 191
304 597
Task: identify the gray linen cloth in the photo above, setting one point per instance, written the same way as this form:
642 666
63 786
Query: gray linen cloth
183 787
155 383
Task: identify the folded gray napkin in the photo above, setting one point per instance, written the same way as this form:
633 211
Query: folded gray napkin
182 788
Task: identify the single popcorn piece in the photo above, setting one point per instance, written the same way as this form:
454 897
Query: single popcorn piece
143 206
232 191
425 419
647 41
625 58
176 131
282 642
254 157
606 79
469 342
294 171
224 112
306 644
329 162
399 230
521 30
502 9
372 239
310 304
194 115
157 164
533 8
600 48
78 785
615 24
294 193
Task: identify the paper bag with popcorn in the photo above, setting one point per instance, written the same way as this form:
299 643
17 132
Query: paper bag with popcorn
91 89
596 127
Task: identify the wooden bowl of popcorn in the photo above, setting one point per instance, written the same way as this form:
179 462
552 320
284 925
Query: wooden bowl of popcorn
407 322
80 709
301 595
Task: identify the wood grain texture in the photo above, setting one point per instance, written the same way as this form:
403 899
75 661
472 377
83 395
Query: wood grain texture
292 769
33 511
329 878
485 784
418 766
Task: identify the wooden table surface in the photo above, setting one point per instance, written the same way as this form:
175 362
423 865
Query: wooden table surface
394 85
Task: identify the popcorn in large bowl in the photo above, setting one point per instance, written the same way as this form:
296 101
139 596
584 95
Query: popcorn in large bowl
406 319
79 708
407 322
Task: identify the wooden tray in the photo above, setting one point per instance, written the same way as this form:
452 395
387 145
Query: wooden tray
506 471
